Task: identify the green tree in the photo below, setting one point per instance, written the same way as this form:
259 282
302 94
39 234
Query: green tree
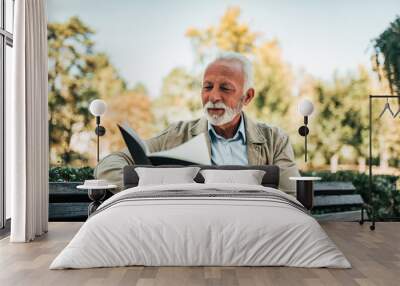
273 81
386 62
340 124
77 75
132 107
180 98
72 64
106 79
387 55
228 35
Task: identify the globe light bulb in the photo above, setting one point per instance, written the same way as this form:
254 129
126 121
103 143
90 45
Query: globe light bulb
98 107
306 107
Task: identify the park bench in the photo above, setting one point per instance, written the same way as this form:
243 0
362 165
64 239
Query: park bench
69 204
343 195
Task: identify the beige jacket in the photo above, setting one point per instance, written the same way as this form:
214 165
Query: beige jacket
265 145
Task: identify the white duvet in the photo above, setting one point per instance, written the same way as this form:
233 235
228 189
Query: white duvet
183 231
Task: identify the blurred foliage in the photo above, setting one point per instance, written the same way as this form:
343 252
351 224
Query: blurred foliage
338 127
71 65
385 197
387 55
228 35
77 75
69 174
273 81
179 100
132 107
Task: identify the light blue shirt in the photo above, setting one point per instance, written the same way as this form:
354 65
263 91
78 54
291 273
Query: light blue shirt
232 151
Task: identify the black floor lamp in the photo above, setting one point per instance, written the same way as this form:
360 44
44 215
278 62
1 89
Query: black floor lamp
305 185
98 107
306 108
393 114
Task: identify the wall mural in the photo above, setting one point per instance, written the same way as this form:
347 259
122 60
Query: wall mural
147 66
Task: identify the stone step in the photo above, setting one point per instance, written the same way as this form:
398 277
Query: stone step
333 188
341 216
68 211
338 200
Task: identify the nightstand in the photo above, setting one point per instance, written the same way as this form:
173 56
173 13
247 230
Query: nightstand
305 190
96 194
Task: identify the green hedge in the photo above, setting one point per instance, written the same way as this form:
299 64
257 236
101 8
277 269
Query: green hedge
385 198
68 174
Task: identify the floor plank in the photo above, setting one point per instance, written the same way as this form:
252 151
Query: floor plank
374 255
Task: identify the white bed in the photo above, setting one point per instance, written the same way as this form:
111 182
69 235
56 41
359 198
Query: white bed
225 225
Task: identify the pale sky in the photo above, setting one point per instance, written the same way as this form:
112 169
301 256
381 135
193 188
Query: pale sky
145 39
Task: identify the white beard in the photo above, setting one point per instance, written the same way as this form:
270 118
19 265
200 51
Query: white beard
226 117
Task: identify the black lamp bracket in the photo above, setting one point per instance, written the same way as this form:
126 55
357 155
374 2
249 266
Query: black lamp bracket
100 130
303 130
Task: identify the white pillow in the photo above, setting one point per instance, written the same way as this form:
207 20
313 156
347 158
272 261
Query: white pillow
248 177
163 176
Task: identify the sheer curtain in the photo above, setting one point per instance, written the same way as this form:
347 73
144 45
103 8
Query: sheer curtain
28 151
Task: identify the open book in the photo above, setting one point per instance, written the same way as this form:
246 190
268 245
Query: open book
194 151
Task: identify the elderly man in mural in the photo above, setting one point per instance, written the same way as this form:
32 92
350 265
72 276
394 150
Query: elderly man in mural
234 138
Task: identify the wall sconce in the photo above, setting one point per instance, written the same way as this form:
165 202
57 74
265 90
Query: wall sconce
305 108
98 107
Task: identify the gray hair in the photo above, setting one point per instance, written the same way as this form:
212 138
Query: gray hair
246 64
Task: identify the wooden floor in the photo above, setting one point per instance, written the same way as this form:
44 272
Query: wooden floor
375 257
